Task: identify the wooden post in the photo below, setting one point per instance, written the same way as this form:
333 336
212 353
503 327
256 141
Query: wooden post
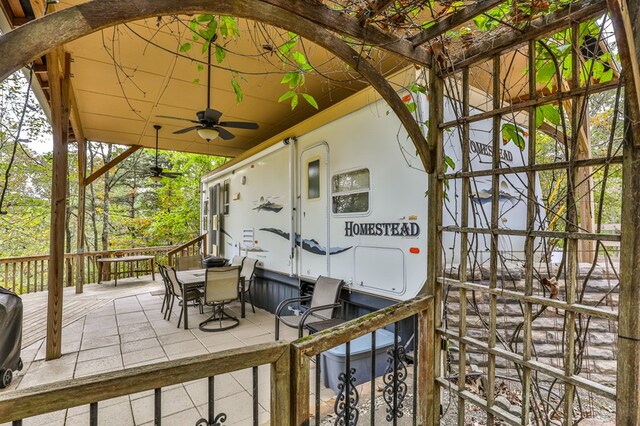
628 383
426 364
59 89
281 395
299 387
434 246
82 187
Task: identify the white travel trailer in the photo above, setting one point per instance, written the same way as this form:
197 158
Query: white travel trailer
343 195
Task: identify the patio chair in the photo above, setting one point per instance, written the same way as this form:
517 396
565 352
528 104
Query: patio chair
324 301
184 263
220 288
168 292
247 272
193 295
237 261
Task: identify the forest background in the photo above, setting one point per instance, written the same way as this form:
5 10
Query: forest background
124 207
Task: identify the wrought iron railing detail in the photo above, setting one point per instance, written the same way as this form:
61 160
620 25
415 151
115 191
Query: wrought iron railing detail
395 388
346 405
214 419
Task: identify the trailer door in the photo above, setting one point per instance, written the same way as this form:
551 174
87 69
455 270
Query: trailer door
314 211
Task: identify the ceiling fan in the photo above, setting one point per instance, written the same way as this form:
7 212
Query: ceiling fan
208 123
157 172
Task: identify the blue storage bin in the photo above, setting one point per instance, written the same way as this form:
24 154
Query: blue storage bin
333 361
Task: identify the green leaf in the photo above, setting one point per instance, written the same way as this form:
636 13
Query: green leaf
310 99
237 89
546 73
299 57
205 46
220 53
606 76
287 77
448 161
411 106
185 47
286 96
551 114
204 18
295 80
196 81
200 67
539 117
511 133
294 101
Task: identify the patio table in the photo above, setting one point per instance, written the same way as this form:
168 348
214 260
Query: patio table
194 278
107 261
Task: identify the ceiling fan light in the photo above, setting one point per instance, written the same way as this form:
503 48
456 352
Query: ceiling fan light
208 133
156 178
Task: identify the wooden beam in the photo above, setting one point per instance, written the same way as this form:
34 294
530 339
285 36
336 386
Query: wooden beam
40 35
452 21
623 15
82 172
102 170
32 40
536 28
59 83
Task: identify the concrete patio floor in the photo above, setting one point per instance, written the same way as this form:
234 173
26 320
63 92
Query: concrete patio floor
128 330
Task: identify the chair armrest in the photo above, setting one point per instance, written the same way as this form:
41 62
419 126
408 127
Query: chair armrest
286 302
310 311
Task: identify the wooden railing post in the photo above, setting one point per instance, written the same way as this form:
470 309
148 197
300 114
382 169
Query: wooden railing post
426 368
299 387
281 396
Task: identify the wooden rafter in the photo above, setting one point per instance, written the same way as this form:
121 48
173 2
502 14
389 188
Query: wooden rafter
102 170
536 28
453 21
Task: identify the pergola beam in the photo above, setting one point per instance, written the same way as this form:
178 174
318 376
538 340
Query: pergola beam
536 28
33 39
76 21
453 21
111 164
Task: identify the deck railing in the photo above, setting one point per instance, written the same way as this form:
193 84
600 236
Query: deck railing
196 246
289 378
29 274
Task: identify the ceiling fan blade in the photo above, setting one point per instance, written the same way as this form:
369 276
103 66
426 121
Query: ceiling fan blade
185 130
177 118
224 133
239 124
212 114
171 175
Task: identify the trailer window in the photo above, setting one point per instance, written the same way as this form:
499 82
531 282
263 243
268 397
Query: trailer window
350 191
313 179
